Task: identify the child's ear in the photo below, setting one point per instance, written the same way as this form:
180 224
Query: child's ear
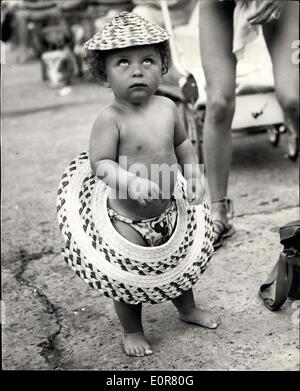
106 83
164 70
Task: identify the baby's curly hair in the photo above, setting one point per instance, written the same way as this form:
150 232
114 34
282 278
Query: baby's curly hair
95 61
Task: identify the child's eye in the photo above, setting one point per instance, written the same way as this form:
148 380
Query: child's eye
123 63
148 61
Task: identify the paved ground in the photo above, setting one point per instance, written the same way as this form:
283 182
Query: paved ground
53 320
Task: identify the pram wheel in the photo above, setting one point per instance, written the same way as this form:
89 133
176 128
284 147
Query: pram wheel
273 135
293 148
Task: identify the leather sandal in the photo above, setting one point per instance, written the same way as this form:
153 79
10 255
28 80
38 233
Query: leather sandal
220 229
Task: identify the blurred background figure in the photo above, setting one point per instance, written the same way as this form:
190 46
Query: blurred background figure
31 15
61 57
100 10
29 24
180 10
7 16
39 27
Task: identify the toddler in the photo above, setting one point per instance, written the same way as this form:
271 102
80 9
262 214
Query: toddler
137 133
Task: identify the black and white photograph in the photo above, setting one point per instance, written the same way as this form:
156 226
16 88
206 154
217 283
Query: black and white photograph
150 188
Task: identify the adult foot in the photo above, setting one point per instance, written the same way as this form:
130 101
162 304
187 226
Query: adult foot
201 317
221 231
135 344
221 209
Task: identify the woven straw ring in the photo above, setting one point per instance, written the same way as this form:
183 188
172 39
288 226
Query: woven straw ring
113 265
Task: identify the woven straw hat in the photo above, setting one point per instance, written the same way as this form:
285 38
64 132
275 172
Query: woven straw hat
116 267
125 30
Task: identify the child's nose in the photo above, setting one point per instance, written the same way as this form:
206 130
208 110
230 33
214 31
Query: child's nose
137 70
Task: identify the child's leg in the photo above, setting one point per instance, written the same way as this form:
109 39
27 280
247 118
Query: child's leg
189 313
130 316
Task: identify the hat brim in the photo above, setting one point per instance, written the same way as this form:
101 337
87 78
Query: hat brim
117 267
126 30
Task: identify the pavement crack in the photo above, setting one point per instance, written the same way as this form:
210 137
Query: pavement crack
50 350
24 258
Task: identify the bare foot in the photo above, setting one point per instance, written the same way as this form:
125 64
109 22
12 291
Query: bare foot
201 318
135 344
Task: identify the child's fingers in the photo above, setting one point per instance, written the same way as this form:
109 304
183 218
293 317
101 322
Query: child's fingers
195 194
189 186
142 201
192 199
148 200
190 189
155 193
198 198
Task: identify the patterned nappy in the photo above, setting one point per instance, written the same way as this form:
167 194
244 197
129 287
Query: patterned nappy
155 230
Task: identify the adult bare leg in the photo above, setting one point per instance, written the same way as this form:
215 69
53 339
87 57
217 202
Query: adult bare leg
280 36
219 64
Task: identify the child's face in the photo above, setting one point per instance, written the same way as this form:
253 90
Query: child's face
134 73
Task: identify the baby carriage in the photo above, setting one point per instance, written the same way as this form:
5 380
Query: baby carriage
256 104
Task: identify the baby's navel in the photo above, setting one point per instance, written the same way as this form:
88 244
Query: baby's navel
139 147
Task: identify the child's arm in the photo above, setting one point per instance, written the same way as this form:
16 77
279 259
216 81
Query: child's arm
188 160
103 150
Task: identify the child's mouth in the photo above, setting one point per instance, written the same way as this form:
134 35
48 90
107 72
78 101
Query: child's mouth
138 85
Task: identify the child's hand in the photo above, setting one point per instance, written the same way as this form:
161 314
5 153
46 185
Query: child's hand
143 191
195 191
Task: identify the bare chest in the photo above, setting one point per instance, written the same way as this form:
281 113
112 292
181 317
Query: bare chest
146 138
